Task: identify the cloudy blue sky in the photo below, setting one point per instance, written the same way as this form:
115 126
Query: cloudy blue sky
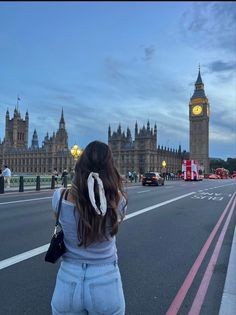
110 63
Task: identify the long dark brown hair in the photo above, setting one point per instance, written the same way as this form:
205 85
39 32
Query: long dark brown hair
92 227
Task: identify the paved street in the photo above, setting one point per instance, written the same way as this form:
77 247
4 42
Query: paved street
168 230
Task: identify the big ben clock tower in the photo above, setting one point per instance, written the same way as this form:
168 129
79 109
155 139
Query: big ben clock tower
199 111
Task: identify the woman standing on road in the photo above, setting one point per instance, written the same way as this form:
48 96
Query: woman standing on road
89 281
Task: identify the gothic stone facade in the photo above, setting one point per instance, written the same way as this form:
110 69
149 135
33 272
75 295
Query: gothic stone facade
143 155
15 153
199 112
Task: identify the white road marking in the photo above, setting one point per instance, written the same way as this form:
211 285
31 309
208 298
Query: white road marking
134 214
26 200
18 258
143 191
39 250
225 185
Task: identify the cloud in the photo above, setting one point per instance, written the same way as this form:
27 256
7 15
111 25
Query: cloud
149 53
113 68
221 66
213 24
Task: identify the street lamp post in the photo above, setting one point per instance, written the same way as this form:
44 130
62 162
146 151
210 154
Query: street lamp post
76 151
164 168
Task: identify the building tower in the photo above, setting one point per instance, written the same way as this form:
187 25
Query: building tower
199 111
61 137
16 131
35 142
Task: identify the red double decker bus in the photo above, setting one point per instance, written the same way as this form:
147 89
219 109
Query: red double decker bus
192 170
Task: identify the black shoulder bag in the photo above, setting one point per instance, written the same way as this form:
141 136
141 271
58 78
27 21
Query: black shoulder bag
57 247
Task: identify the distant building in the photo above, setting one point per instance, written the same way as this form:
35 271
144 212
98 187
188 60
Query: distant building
199 113
20 158
142 154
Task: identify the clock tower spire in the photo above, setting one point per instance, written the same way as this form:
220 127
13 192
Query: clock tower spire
199 111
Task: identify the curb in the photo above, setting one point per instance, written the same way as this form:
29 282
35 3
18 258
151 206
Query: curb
228 302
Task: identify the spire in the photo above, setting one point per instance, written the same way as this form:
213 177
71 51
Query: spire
128 133
136 128
199 78
17 101
148 125
155 129
35 143
119 129
199 87
62 117
62 121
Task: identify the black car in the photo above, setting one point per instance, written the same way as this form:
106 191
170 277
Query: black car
152 178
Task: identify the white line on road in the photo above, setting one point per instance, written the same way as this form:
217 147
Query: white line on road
142 191
26 200
225 185
18 258
134 214
39 250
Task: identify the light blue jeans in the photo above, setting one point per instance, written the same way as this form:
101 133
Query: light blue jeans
83 289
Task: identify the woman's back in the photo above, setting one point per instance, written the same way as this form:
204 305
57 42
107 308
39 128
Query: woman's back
97 252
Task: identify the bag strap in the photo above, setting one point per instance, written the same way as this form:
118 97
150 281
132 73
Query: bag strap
66 194
59 207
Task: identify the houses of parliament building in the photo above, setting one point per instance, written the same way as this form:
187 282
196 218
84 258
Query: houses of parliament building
22 158
141 155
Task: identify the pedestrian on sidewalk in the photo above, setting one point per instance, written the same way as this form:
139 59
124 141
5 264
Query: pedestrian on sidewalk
55 174
89 281
64 173
7 175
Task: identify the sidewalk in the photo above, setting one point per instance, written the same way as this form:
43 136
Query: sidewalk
228 302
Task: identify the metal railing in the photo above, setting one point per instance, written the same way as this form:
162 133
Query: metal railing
37 182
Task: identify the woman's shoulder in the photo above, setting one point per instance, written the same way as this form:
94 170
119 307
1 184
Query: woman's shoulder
56 198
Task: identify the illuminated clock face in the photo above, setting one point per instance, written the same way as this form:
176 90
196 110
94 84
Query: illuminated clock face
197 110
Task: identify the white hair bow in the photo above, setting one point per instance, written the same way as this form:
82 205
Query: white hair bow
103 202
